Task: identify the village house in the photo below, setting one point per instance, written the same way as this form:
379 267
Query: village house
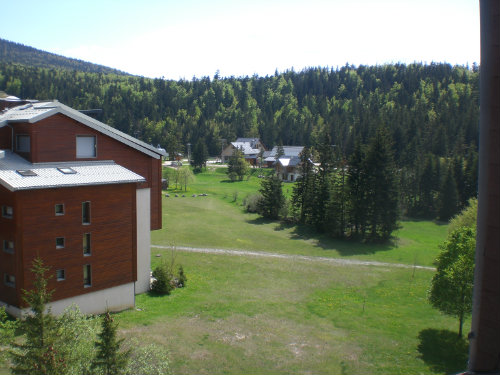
83 197
270 157
251 148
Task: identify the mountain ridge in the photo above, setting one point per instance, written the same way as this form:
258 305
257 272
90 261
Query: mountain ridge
17 53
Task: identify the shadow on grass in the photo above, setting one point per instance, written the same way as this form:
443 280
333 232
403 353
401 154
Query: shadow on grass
346 247
443 351
260 221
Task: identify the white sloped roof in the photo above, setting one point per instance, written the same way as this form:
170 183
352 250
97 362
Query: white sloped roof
246 148
47 175
34 112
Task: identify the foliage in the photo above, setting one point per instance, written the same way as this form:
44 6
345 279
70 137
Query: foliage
237 167
272 198
185 176
150 359
466 218
451 286
163 278
182 279
7 330
109 360
448 197
251 202
78 334
430 112
380 188
42 351
21 54
200 155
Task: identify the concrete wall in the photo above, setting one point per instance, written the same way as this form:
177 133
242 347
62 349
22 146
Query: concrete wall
115 299
143 241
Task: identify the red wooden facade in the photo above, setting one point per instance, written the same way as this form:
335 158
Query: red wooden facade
34 227
54 139
37 228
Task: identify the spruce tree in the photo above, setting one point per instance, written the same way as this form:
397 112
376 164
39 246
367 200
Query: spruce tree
303 191
200 154
40 352
381 187
322 185
109 360
272 199
356 177
237 166
448 197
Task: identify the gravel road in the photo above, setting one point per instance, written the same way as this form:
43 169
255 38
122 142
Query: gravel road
263 254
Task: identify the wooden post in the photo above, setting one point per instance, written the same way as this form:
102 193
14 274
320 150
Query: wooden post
484 355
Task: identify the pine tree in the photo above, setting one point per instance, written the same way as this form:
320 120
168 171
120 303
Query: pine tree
303 191
200 154
39 353
322 183
237 167
381 188
448 197
109 360
356 177
272 199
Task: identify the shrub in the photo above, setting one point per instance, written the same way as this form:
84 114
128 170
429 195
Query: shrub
163 278
181 281
251 202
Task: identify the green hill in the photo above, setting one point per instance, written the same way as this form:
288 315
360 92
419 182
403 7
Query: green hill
15 53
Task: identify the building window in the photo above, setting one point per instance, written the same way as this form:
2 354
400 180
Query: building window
87 276
85 146
8 246
7 212
85 212
23 143
9 280
86 244
60 243
60 275
59 208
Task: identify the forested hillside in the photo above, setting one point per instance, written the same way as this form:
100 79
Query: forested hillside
431 113
11 52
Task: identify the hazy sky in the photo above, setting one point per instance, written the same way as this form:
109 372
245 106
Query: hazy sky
186 38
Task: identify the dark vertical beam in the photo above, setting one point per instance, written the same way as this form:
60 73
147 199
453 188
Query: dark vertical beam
484 353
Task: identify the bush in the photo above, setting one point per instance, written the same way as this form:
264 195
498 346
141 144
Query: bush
181 281
251 202
163 279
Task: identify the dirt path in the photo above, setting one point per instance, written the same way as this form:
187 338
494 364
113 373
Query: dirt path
346 262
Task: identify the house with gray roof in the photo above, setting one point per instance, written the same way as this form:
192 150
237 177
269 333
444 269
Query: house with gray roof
251 148
83 197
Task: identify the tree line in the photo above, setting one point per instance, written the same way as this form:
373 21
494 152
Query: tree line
430 112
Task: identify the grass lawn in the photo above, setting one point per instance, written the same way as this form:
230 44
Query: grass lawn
247 315
252 315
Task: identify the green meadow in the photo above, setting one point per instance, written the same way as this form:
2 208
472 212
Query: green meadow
251 315
247 314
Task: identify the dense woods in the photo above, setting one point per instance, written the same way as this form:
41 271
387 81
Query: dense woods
430 114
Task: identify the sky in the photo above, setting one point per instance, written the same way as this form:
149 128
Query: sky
183 39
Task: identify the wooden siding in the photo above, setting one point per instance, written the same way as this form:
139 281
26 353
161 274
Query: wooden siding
54 139
9 263
113 230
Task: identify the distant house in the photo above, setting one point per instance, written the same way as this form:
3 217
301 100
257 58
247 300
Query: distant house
288 168
82 196
251 148
269 157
